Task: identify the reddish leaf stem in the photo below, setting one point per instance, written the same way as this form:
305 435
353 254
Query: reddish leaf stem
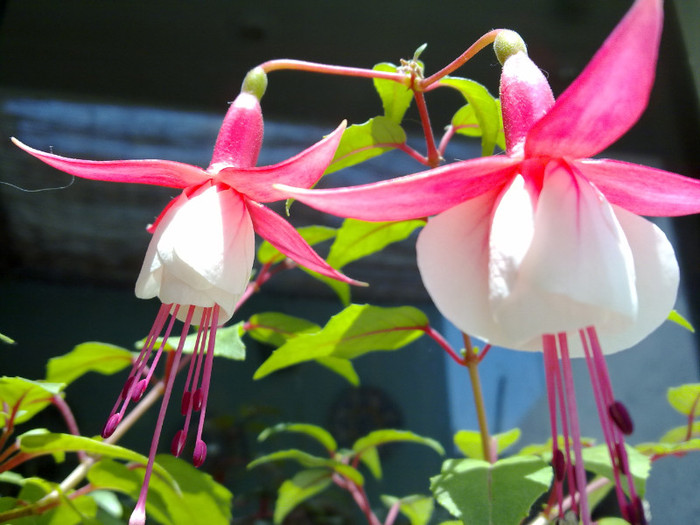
314 67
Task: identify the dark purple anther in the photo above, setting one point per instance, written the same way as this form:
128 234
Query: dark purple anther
621 456
636 513
125 390
139 389
559 465
200 453
197 400
178 443
618 413
111 425
185 405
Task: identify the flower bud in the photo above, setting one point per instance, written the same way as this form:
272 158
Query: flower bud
255 82
507 44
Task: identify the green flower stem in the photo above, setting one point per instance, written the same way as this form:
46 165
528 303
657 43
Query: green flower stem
477 46
471 361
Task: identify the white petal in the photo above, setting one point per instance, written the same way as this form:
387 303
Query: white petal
201 252
452 253
657 278
579 269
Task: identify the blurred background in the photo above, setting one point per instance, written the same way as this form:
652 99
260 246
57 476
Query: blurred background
103 79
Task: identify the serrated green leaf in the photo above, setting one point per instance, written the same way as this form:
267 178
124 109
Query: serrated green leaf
396 97
311 234
469 442
677 318
355 331
309 461
680 434
320 434
417 507
685 399
357 239
597 460
361 142
50 443
663 449
25 397
481 493
485 108
87 357
276 328
342 367
302 486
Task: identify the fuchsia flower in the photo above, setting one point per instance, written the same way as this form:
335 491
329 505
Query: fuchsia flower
542 248
201 254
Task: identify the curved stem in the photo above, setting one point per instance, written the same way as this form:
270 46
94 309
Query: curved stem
477 46
433 153
439 339
314 67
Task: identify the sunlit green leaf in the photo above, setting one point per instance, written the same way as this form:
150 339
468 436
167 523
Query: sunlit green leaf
355 331
302 486
485 108
6 340
685 399
320 434
612 521
87 357
228 342
276 328
481 493
677 318
396 97
597 459
108 501
25 397
664 449
341 289
361 142
309 461
417 507
469 442
544 450
357 239
342 367
311 234
679 434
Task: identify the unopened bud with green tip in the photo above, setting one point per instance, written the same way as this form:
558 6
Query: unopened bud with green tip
507 44
255 82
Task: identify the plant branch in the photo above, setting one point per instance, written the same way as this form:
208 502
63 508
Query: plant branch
471 361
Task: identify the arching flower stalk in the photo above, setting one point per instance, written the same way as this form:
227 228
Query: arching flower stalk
200 257
543 249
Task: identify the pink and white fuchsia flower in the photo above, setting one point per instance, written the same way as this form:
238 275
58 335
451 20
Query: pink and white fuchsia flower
543 248
200 257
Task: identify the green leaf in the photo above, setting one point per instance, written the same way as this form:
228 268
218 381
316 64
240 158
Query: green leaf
87 357
417 507
366 446
480 493
357 239
341 289
680 434
310 461
50 443
6 340
108 501
268 254
597 460
361 142
302 486
342 367
664 449
685 399
274 328
320 434
485 108
355 331
396 97
469 442
612 521
26 398
677 318
228 343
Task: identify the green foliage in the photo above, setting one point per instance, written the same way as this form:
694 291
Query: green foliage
274 328
353 332
469 442
25 398
320 434
597 460
677 318
309 461
417 507
304 485
268 254
685 399
361 142
228 343
680 434
481 493
396 97
87 357
485 110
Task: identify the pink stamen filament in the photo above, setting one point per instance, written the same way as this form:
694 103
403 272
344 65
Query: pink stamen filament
551 371
200 449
